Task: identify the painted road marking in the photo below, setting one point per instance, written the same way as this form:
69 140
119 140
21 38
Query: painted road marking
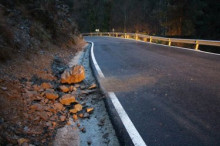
132 131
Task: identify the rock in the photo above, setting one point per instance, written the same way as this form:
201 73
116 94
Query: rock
67 136
83 130
89 142
105 135
86 115
72 88
92 86
49 124
89 110
64 89
22 141
4 88
75 117
51 95
67 99
88 91
62 118
82 87
46 85
54 124
31 94
81 115
36 107
77 85
73 111
101 122
36 88
58 106
75 74
43 115
68 123
78 107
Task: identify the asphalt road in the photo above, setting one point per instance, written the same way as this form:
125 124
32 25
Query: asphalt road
171 95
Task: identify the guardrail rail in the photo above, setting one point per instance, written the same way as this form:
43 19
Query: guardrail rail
148 38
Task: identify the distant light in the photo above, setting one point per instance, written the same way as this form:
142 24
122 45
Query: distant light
113 30
97 30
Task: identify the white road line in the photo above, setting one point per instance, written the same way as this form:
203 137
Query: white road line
132 131
101 75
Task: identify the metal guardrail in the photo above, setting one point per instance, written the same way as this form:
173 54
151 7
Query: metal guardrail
148 38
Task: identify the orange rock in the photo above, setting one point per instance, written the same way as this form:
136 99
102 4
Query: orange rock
72 88
51 95
22 141
92 86
67 99
46 85
54 124
78 107
81 115
62 118
36 87
73 111
68 123
75 74
43 115
64 88
88 110
37 107
75 117
58 106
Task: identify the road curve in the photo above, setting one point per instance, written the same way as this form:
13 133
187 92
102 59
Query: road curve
171 95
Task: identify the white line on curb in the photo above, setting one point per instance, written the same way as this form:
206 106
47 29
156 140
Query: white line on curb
132 131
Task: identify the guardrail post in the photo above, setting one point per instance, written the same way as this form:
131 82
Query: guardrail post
109 34
125 36
136 37
197 46
169 42
150 39
116 34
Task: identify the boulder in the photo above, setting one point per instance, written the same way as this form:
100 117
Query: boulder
75 74
67 99
51 95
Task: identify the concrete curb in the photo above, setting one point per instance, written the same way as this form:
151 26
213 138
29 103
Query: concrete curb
119 127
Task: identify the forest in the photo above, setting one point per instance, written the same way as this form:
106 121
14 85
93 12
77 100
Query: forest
173 18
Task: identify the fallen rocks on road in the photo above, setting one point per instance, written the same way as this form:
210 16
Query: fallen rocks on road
75 74
48 104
